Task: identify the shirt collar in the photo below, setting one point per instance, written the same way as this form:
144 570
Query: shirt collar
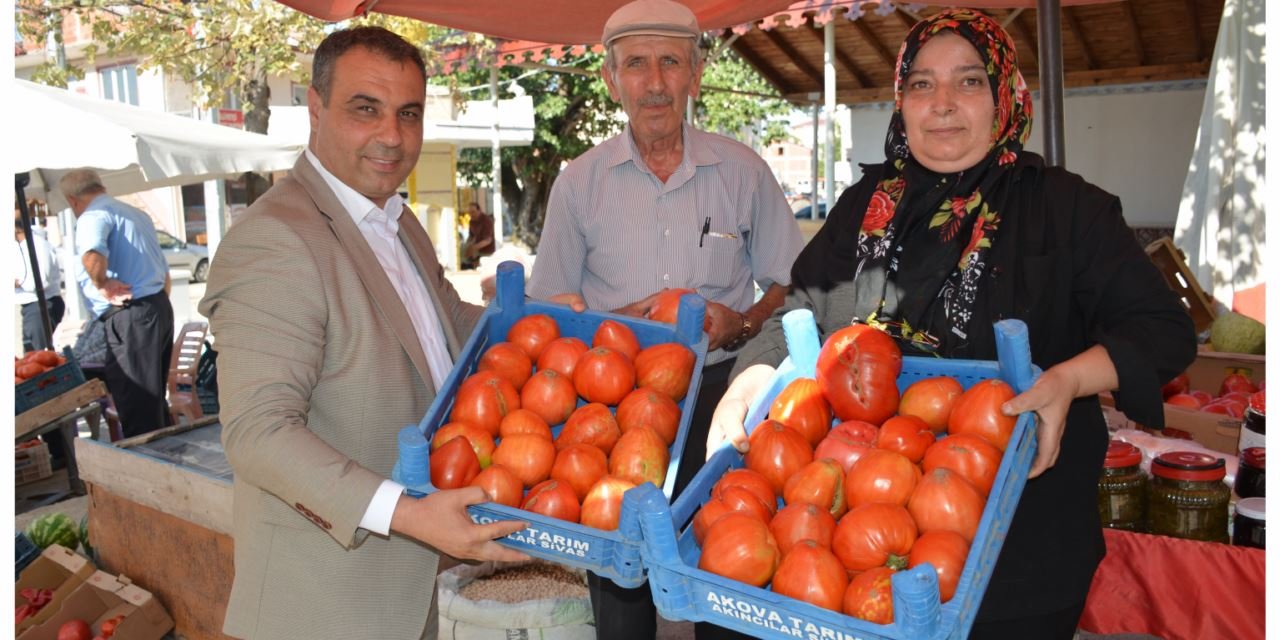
355 203
700 154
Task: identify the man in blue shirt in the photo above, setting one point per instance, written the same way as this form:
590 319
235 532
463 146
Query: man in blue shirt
117 245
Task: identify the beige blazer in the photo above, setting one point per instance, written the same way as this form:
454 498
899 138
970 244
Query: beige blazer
319 367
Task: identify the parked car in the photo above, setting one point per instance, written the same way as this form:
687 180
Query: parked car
803 213
181 255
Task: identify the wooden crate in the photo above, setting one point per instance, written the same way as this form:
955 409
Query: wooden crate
1171 263
32 463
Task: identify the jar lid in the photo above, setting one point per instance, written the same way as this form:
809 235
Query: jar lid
1255 457
1122 454
1189 465
1255 508
1258 402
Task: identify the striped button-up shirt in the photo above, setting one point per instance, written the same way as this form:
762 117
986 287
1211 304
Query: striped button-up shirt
615 233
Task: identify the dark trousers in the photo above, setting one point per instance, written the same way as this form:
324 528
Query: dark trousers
32 332
629 614
139 343
1056 625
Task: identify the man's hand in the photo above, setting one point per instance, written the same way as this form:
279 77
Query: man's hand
726 324
116 292
574 301
639 308
441 520
727 421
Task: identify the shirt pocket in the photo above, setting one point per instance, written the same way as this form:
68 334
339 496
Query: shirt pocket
721 257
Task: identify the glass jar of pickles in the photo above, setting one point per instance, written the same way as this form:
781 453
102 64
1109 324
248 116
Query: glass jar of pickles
1188 498
1122 489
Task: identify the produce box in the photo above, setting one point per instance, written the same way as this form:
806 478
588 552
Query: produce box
104 597
611 554
48 385
31 462
682 591
58 568
1210 367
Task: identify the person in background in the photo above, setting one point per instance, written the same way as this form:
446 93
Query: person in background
479 237
118 248
24 286
960 227
664 205
335 326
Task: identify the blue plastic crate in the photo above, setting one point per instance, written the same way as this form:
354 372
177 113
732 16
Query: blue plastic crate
48 385
681 591
610 554
25 551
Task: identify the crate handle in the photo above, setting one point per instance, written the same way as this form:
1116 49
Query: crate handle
656 526
689 318
1013 348
510 290
801 332
916 602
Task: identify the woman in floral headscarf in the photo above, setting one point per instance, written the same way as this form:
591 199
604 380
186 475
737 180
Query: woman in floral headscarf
959 228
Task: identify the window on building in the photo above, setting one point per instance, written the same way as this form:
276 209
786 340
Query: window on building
120 83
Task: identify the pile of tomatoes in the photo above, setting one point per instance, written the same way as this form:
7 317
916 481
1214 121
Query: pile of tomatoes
499 435
1234 395
34 363
879 492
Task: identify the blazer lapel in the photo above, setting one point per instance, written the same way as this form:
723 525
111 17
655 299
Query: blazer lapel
415 238
367 267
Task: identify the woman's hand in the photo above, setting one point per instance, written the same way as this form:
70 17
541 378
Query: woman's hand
727 421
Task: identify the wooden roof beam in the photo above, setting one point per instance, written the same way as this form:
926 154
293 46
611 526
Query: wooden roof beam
1019 28
1193 21
1028 31
870 36
767 72
1135 34
1077 32
907 18
843 60
795 57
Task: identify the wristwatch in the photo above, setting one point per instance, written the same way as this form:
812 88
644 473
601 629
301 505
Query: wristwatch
743 335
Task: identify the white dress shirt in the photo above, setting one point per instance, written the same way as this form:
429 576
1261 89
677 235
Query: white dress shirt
380 227
24 291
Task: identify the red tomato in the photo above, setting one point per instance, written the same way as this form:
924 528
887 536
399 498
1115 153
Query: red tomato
592 424
1225 407
874 535
858 370
908 435
29 370
640 456
46 358
508 361
666 307
1179 384
523 421
616 336
580 466
931 400
846 442
945 501
481 441
75 630
1202 396
946 551
650 408
800 405
553 499
1185 400
500 484
1236 382
550 395
753 481
870 596
483 400
603 504
978 413
533 333
810 572
604 375
454 464
561 355
528 456
975 459
776 451
740 548
819 483
880 475
799 521
730 499
667 367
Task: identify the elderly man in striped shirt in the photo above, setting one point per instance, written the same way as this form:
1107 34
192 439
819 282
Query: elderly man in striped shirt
664 205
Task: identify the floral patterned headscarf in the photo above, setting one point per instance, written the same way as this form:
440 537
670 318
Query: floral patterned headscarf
924 238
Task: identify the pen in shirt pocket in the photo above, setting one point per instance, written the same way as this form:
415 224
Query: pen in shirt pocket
706 231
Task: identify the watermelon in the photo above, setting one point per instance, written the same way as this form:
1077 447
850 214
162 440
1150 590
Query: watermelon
84 535
54 528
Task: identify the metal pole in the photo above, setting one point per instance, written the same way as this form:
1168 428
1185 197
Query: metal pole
20 181
1051 76
829 88
813 165
496 156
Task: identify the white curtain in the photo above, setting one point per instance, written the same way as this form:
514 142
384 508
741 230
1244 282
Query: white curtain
1221 221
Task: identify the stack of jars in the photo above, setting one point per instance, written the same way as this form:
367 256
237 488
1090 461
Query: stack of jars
1251 479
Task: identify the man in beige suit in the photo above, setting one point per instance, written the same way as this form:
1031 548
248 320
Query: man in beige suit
334 327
